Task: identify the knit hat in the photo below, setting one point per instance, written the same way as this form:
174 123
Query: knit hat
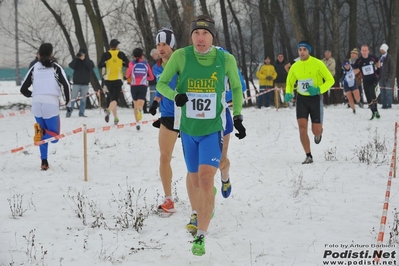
354 51
166 35
306 45
384 47
346 62
203 22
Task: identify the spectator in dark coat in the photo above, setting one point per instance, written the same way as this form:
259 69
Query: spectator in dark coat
386 77
82 65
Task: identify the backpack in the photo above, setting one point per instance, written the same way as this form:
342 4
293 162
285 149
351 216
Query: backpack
139 73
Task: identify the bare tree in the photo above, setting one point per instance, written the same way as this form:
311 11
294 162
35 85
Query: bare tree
352 25
316 28
204 7
394 34
225 24
143 21
176 21
284 39
299 20
335 33
155 15
242 48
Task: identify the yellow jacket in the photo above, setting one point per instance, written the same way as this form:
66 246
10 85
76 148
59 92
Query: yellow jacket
265 71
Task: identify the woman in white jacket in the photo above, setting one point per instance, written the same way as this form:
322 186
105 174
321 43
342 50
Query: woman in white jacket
45 77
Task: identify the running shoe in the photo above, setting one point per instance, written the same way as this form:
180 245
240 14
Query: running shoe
308 160
226 188
116 121
317 139
138 127
377 115
167 207
107 113
372 116
354 111
198 248
139 114
192 225
45 165
38 133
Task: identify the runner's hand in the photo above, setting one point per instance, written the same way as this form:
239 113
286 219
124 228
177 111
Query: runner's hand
153 108
181 99
288 97
240 128
313 90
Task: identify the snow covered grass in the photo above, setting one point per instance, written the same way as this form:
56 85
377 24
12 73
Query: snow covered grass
280 212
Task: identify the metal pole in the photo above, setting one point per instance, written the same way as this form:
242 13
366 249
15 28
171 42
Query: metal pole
17 73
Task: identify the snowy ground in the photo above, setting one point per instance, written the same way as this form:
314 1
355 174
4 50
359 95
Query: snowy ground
280 212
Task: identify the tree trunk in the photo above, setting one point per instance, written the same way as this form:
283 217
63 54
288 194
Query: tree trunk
284 38
188 15
144 24
179 29
226 30
263 11
267 19
271 25
242 47
316 29
299 21
394 35
352 26
204 8
335 35
155 14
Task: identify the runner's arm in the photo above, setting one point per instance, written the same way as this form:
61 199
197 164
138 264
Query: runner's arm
174 66
235 83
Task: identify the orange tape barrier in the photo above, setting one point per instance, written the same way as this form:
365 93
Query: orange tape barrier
392 172
388 191
75 131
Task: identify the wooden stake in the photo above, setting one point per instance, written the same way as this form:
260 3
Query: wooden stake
85 152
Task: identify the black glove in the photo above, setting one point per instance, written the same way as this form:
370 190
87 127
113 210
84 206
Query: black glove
69 109
181 99
153 108
238 125
269 78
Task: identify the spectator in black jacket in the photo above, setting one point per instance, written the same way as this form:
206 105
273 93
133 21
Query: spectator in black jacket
82 65
387 78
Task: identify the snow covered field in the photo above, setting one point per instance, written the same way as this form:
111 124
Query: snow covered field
280 212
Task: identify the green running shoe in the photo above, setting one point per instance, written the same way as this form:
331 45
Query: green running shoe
377 115
198 248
